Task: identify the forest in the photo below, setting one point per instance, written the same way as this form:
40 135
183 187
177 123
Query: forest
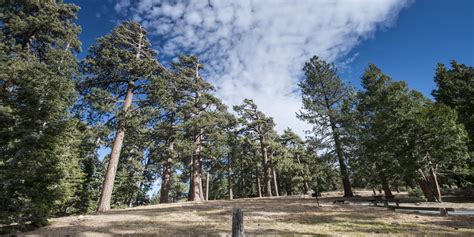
164 125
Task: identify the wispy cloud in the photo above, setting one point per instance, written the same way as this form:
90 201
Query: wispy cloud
256 49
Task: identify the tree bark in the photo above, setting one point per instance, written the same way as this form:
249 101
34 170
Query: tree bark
275 183
165 183
340 156
265 165
385 186
305 186
207 186
434 183
196 185
201 189
427 192
259 188
108 185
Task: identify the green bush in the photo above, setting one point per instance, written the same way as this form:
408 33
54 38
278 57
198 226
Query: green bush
416 192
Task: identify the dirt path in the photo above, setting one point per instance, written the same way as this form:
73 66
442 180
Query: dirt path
269 216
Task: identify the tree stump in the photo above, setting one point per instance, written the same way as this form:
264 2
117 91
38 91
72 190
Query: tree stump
237 223
443 212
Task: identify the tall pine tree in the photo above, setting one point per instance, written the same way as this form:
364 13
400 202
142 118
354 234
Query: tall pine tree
260 126
118 71
323 95
39 168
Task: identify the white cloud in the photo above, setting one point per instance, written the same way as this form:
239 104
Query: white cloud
256 49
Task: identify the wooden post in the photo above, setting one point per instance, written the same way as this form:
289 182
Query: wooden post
237 223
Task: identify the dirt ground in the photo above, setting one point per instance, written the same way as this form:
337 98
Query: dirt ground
287 216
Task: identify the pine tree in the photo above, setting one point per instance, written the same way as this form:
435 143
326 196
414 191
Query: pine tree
258 124
382 106
456 90
119 66
200 108
323 95
434 144
39 167
295 162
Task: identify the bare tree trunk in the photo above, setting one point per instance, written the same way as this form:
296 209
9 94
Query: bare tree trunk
427 192
190 189
207 186
259 188
434 183
373 190
165 183
275 183
108 185
196 184
342 164
201 192
305 186
265 165
385 186
229 173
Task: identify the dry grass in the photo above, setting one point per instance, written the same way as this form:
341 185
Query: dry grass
287 216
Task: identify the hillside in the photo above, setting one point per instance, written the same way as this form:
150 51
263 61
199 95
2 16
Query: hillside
274 216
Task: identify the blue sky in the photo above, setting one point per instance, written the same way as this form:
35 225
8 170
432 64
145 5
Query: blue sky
427 32
255 49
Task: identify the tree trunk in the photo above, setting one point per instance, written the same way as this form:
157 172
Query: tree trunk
259 188
427 192
229 173
108 185
196 184
165 183
207 186
434 184
265 165
385 186
201 192
373 190
305 186
342 164
275 183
